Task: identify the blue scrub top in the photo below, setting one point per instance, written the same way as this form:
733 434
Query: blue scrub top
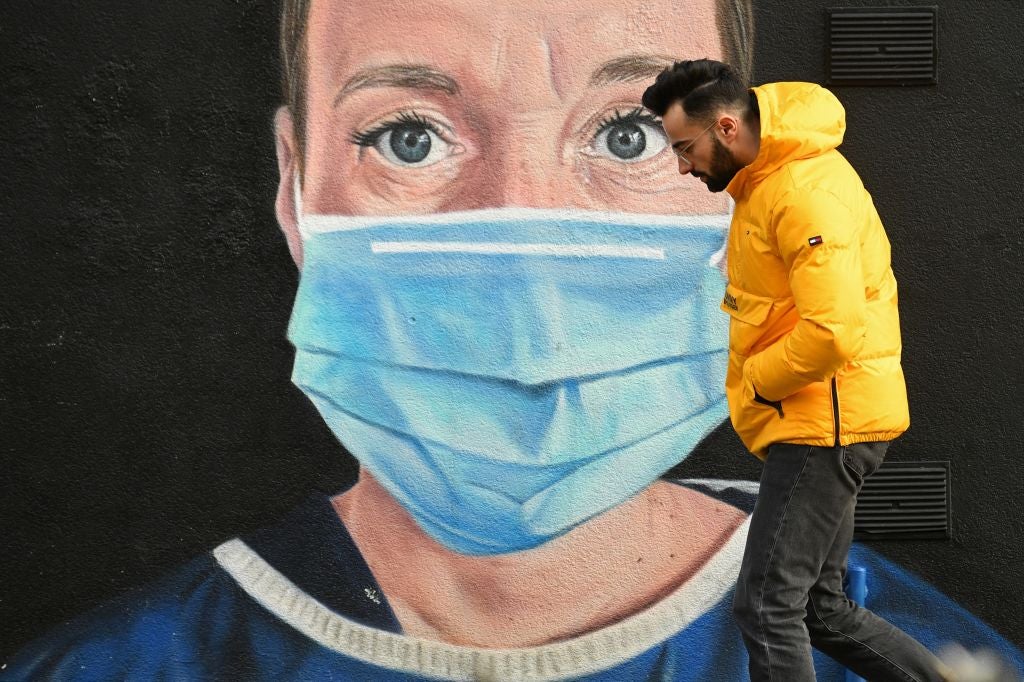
297 602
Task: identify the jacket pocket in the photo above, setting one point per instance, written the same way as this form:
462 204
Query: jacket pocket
863 459
774 404
748 312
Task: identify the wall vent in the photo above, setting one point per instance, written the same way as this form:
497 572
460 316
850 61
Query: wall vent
904 501
883 46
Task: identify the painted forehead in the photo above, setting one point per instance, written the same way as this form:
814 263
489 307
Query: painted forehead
580 42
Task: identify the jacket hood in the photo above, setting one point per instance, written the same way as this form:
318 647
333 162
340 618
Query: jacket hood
798 121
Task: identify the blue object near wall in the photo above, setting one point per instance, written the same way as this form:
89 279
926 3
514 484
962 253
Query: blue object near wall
857 590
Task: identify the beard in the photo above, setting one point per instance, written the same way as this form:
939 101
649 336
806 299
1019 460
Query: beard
724 167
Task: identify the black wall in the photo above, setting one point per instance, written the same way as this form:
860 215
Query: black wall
146 412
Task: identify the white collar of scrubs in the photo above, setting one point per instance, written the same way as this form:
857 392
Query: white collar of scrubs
587 654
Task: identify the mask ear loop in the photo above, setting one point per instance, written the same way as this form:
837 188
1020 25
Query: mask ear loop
717 259
300 219
297 196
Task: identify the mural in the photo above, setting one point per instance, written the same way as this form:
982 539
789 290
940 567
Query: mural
508 313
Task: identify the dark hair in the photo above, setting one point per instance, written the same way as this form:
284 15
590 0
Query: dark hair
734 18
703 86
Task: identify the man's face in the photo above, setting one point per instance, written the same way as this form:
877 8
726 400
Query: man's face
447 105
705 156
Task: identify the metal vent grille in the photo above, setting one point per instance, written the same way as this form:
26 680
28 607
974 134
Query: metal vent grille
904 500
883 46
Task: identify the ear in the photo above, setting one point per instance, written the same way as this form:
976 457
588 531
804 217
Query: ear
288 170
730 127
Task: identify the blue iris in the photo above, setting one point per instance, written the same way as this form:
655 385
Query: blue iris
410 142
626 140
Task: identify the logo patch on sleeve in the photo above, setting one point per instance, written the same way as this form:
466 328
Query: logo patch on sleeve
814 241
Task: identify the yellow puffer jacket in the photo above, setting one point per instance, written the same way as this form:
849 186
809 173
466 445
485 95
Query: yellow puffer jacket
814 340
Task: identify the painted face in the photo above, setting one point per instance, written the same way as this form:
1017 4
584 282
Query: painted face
449 105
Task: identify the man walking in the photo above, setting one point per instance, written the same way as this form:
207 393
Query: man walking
814 383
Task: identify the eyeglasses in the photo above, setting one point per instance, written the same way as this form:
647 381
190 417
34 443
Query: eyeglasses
682 152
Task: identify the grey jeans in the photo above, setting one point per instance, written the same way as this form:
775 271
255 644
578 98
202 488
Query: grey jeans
789 596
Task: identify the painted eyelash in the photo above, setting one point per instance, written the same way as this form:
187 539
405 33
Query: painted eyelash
369 138
637 115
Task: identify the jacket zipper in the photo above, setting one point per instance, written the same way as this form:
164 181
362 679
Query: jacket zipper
835 410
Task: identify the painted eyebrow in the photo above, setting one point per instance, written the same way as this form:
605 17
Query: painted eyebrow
623 69
416 76
631 67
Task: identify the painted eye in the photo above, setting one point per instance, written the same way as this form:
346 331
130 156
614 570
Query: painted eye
409 141
630 138
626 141
412 145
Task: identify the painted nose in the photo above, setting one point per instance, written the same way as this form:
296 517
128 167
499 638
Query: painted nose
526 172
540 184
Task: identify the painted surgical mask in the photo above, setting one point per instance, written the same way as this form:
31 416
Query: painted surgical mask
508 374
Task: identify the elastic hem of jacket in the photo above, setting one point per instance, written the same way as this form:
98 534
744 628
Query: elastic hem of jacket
828 442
